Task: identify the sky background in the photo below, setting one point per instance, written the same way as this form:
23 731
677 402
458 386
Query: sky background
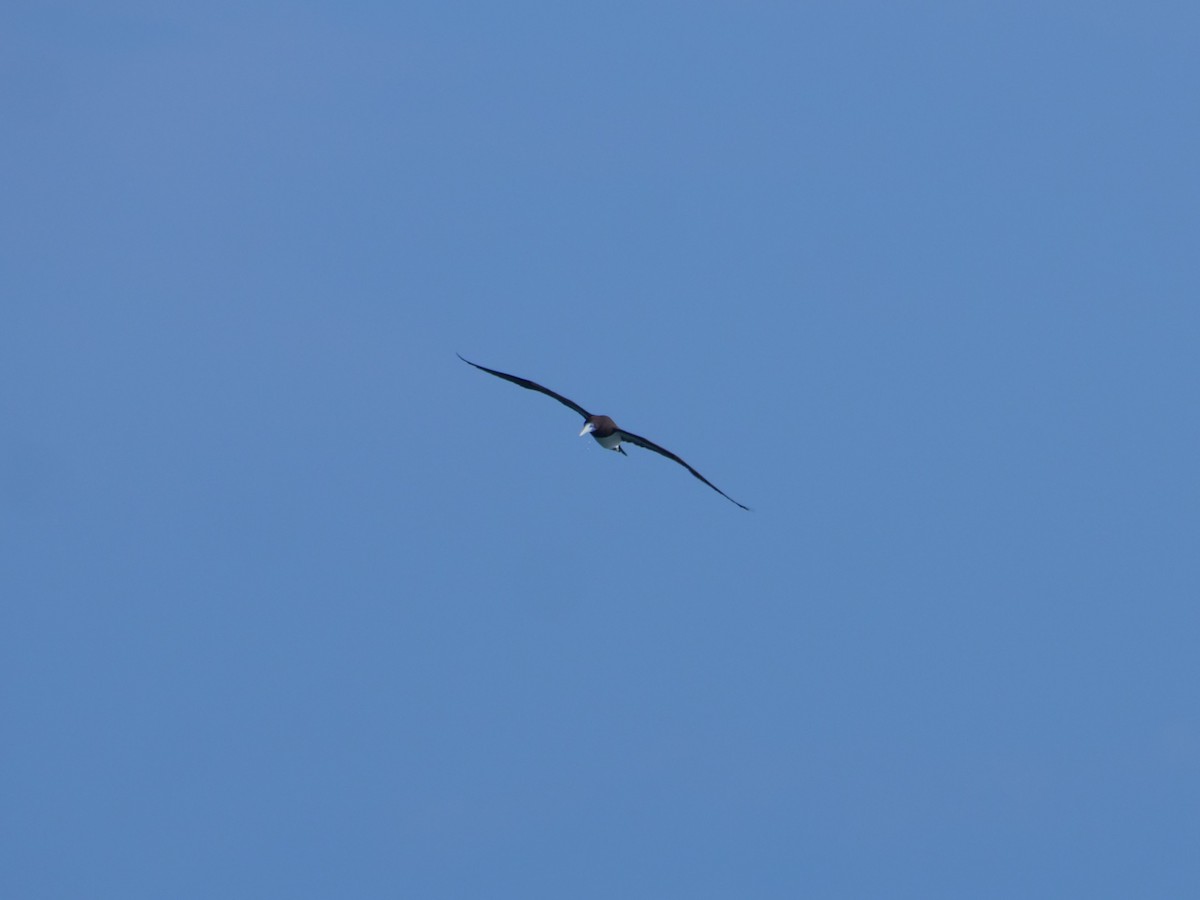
295 604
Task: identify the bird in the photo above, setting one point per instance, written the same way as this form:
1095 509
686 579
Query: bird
603 429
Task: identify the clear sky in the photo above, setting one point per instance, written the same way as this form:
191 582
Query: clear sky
295 604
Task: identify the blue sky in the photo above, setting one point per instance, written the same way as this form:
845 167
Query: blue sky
297 604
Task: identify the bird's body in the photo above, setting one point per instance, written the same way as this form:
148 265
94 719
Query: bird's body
603 429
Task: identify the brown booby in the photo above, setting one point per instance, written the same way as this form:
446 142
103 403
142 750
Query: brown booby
603 429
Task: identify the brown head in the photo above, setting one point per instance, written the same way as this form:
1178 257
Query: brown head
599 426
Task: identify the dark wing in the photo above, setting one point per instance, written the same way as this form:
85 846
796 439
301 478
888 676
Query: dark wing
650 445
531 385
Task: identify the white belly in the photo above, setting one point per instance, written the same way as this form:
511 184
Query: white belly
612 442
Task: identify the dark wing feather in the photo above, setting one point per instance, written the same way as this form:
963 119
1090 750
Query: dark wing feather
531 385
650 445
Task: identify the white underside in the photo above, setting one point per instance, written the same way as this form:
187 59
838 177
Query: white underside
612 442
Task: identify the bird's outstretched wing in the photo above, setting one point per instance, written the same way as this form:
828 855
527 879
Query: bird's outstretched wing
650 445
534 386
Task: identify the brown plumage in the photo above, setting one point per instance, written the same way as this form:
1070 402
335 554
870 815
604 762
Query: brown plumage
603 429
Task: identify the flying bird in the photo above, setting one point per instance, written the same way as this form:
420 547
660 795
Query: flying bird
603 429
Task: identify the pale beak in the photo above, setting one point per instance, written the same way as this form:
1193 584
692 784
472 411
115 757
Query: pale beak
587 429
